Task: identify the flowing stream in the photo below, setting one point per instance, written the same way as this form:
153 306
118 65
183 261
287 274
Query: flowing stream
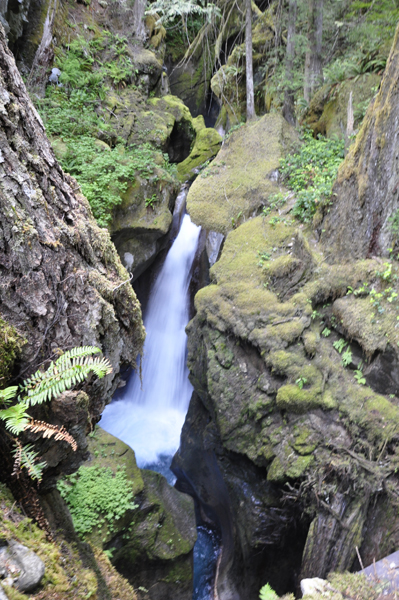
149 416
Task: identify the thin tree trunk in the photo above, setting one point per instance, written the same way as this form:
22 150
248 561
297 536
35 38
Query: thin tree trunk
249 63
313 60
289 106
138 16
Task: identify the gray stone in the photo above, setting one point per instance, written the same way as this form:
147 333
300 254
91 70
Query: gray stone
20 566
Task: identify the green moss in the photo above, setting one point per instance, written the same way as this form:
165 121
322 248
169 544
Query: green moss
10 346
304 442
288 466
206 146
61 559
290 397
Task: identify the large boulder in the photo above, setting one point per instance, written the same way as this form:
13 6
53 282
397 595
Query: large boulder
240 181
328 110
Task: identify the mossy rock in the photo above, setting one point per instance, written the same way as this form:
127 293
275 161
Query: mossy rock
206 146
237 183
142 221
62 559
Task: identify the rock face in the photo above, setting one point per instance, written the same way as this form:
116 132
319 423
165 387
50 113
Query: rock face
360 221
328 110
283 440
62 284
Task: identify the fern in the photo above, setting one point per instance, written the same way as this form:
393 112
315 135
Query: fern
26 457
8 394
47 430
16 418
71 368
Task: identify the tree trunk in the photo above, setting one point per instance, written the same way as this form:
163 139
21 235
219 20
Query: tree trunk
289 106
313 59
59 272
138 16
249 62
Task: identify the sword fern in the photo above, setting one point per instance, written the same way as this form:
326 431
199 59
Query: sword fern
71 368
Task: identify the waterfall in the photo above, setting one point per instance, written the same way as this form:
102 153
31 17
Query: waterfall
149 417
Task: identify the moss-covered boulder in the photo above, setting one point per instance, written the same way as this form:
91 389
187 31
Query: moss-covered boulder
284 358
207 144
328 109
152 539
242 177
142 221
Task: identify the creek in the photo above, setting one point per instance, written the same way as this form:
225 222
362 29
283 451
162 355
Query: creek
149 414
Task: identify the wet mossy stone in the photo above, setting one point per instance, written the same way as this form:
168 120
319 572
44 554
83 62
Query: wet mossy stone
237 182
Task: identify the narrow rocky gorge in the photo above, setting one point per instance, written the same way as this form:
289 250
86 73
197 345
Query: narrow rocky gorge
289 448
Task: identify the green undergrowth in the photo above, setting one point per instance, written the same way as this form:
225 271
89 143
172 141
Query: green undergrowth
310 173
77 121
97 496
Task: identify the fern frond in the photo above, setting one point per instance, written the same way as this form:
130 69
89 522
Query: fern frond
27 458
17 461
8 394
48 430
69 369
16 418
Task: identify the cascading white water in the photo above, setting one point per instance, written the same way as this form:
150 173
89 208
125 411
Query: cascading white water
149 418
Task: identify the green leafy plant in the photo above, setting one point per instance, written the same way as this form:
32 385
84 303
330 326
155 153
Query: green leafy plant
150 202
267 593
326 332
347 357
358 375
301 381
71 368
311 172
339 345
97 496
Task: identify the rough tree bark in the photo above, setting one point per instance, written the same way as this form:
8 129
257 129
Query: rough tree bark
60 274
288 106
313 59
249 62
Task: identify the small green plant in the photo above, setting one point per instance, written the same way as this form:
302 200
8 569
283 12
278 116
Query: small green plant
71 368
347 357
267 593
301 381
358 375
263 257
96 496
326 332
339 345
150 202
